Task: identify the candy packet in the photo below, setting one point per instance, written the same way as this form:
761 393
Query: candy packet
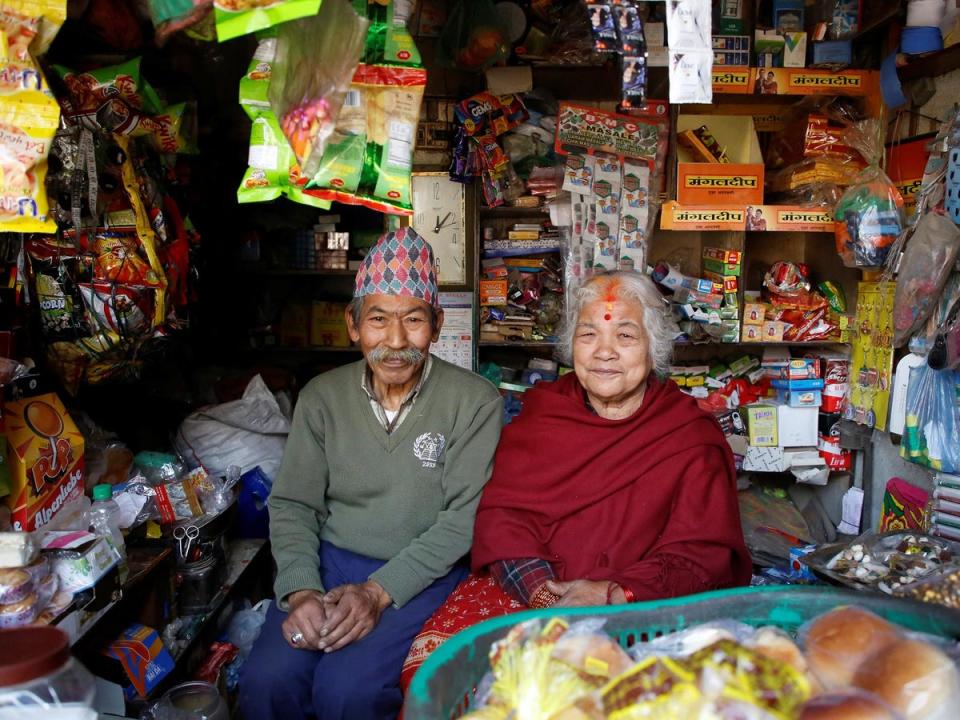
315 62
242 17
273 170
369 157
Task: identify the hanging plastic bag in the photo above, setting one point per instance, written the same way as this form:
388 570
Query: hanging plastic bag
315 62
473 38
242 17
924 269
868 219
272 169
933 419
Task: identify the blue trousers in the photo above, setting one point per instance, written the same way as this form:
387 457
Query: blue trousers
357 682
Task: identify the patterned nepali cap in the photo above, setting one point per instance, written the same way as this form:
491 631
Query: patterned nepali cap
401 263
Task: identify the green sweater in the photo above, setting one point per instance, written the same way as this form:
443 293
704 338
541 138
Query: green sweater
408 498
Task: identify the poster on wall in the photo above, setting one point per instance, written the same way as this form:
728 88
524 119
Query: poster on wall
871 367
456 338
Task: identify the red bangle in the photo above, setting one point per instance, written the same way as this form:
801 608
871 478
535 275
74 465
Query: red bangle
610 588
628 594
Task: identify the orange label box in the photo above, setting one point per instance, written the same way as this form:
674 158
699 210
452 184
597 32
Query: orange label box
45 455
714 183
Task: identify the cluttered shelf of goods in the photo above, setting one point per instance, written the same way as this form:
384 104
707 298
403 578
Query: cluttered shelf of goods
646 312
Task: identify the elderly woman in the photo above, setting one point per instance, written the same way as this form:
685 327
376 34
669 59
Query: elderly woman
611 486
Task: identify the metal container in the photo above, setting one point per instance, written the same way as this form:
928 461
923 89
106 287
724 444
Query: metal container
198 584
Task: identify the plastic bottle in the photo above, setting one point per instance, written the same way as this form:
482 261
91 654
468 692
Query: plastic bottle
105 520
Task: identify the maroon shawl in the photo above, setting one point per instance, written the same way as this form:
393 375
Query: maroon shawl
649 502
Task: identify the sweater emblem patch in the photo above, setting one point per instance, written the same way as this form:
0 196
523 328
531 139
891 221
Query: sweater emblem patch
428 448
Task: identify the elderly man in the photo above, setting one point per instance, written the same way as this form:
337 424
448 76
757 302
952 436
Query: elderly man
374 504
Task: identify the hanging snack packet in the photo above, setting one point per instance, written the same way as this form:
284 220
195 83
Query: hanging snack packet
315 62
602 25
29 117
388 40
485 112
629 28
633 88
868 219
242 17
121 308
272 169
369 158
33 23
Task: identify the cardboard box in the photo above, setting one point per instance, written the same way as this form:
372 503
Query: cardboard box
726 284
766 459
832 53
45 458
739 181
143 658
752 333
800 398
493 292
788 15
723 255
773 330
754 313
79 559
328 328
295 325
795 49
761 424
801 369
796 426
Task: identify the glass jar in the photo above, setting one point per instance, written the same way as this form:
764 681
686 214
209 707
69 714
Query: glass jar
39 680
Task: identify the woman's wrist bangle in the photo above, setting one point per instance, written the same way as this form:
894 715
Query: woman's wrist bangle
610 588
628 594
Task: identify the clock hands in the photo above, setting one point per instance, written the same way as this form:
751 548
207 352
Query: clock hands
442 223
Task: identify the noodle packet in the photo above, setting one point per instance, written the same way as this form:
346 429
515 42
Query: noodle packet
369 157
242 17
28 122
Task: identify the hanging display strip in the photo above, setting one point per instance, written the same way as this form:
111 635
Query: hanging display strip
690 55
872 364
771 218
801 81
581 128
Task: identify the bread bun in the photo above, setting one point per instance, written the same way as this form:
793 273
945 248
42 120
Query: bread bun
850 705
838 641
915 678
594 654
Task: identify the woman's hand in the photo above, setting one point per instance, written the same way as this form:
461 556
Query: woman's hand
305 619
579 593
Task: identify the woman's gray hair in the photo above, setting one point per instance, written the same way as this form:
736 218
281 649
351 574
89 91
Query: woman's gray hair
627 285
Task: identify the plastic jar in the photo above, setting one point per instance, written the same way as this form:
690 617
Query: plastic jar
39 680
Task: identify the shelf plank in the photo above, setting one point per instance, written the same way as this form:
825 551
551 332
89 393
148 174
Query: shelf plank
519 343
932 64
309 350
512 212
799 343
295 272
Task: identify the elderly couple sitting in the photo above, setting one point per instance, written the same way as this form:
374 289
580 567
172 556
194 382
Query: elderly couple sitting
611 486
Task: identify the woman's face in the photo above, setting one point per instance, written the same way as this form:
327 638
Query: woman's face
611 351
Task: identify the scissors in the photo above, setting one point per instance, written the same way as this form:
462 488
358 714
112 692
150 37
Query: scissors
189 533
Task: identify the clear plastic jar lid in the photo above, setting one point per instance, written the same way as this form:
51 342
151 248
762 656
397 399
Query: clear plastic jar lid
30 653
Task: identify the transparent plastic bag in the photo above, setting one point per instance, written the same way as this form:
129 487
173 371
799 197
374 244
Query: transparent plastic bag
924 270
473 37
314 65
933 419
868 220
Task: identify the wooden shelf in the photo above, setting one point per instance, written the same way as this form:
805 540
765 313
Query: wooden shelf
519 343
512 212
311 349
932 64
292 272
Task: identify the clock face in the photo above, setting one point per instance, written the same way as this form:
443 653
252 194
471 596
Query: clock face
438 215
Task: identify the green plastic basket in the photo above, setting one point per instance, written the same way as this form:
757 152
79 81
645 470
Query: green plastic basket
444 685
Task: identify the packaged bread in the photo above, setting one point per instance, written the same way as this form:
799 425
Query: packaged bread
591 651
39 568
915 678
15 585
16 549
46 588
850 704
838 641
775 644
22 612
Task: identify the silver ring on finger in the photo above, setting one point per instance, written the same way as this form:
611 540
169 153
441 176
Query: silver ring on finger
296 638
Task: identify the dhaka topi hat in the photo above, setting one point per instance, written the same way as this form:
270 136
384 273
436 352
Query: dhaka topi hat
401 263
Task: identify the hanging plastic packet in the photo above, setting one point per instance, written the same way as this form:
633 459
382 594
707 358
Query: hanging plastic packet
272 169
868 219
315 62
369 157
691 79
486 113
20 32
121 308
461 169
603 26
629 28
242 17
689 24
388 40
578 173
28 122
473 37
43 21
633 88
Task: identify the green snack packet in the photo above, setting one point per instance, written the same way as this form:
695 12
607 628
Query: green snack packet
388 41
834 295
272 169
242 17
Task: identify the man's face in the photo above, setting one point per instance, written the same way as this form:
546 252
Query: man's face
394 335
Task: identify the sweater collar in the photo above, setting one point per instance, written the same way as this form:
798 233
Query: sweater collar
391 424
